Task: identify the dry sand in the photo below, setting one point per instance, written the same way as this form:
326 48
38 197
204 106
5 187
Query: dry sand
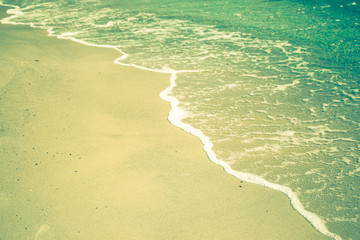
87 153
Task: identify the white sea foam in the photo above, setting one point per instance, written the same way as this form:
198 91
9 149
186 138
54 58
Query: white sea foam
177 114
285 86
109 24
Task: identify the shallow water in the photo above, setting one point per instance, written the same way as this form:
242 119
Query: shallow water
278 91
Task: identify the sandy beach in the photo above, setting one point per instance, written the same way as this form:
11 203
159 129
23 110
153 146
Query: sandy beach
87 153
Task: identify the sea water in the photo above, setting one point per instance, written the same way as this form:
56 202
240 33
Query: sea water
270 86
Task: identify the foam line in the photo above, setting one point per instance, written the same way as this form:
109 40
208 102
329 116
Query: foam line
8 5
176 116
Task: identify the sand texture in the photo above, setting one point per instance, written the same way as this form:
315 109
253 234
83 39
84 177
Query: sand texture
87 153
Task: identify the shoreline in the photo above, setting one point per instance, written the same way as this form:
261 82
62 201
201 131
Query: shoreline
217 169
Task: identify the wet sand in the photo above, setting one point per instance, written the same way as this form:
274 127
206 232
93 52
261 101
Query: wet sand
87 153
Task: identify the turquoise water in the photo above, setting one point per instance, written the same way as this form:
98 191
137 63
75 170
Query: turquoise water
278 91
